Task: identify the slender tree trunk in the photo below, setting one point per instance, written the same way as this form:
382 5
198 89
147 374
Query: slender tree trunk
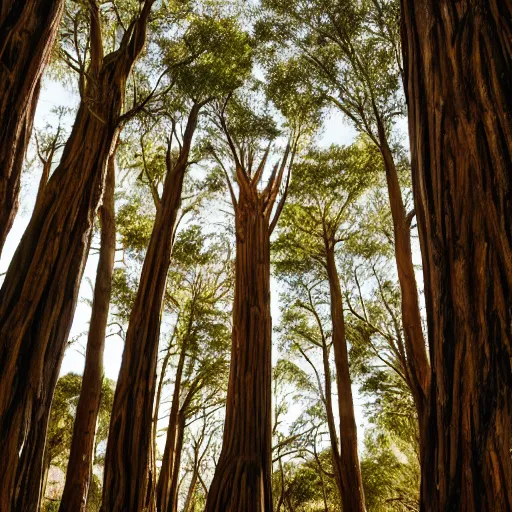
418 366
81 456
127 462
172 505
27 32
191 490
242 480
336 459
352 494
171 445
458 64
39 293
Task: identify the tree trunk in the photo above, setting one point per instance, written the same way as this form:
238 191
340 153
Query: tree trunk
81 456
336 459
172 504
458 64
39 293
352 494
418 366
242 480
127 462
27 32
171 446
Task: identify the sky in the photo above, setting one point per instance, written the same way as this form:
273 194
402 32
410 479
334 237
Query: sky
54 94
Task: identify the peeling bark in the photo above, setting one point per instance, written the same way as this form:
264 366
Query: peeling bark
458 64
81 457
39 293
27 32
129 449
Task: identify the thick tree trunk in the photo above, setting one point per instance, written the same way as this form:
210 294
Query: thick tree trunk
127 462
171 446
242 480
458 64
352 494
27 32
39 293
81 456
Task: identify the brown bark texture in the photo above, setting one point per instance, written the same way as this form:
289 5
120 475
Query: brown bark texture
171 446
458 64
352 494
39 293
27 32
81 457
417 365
242 479
129 448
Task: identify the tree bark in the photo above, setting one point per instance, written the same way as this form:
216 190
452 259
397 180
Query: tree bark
171 446
27 32
39 293
242 479
127 462
352 494
172 505
458 63
81 456
418 366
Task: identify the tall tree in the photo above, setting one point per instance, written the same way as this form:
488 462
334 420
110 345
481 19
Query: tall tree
316 221
458 60
29 29
81 458
220 55
39 293
242 479
350 53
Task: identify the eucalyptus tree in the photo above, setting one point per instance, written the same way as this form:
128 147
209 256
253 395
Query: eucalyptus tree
81 457
242 479
201 283
349 52
39 293
29 29
318 218
457 64
220 56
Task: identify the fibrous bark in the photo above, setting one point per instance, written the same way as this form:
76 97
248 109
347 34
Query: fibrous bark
39 293
129 448
27 32
81 457
458 63
352 494
242 479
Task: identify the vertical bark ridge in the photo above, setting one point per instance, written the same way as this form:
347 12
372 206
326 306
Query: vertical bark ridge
39 293
458 63
27 33
128 457
81 458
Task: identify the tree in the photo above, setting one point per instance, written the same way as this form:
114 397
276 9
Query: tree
316 220
28 29
128 482
457 61
39 293
79 468
242 479
350 53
